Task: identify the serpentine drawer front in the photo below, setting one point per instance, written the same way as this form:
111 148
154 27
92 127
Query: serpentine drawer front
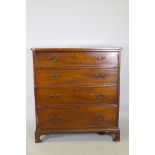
77 90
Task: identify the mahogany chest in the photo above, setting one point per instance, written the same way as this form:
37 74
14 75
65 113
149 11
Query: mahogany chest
77 90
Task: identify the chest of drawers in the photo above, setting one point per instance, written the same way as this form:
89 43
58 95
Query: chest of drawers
77 90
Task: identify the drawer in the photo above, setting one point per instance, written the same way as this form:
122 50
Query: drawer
104 59
76 76
79 95
69 118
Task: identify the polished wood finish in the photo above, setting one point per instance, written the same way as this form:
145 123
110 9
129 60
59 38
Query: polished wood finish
107 60
76 76
92 117
78 95
77 90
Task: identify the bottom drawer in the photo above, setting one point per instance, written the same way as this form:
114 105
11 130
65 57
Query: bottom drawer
79 118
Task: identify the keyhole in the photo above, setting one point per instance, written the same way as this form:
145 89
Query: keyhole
76 54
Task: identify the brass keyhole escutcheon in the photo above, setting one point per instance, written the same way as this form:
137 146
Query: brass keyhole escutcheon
76 54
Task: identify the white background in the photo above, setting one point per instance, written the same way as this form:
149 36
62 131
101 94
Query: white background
12 111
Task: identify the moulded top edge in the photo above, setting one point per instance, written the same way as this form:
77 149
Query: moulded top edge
75 49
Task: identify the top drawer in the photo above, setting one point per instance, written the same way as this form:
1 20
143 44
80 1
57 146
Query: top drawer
53 59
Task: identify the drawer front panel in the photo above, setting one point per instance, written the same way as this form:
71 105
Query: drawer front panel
77 117
76 76
71 95
105 59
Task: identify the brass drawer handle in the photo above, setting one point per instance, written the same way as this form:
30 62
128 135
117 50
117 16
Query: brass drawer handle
54 95
55 117
100 76
53 59
100 58
99 117
99 96
54 76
